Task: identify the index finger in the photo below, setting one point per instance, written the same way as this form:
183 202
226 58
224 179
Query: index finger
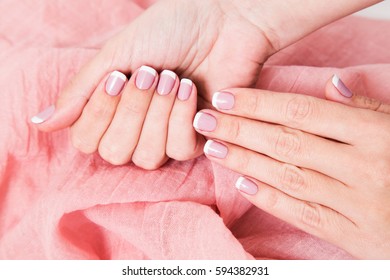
306 113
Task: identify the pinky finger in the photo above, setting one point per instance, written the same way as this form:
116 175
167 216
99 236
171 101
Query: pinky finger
183 142
337 91
312 218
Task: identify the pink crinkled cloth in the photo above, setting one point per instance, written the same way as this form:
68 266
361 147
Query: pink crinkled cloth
56 203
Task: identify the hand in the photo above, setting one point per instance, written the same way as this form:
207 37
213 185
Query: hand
319 165
196 38
210 41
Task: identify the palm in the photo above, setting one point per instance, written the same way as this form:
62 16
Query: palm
201 41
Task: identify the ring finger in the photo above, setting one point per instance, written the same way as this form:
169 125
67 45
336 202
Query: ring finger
281 143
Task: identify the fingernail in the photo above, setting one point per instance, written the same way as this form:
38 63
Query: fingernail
215 149
223 100
341 87
246 186
205 122
115 83
44 115
166 83
145 77
185 89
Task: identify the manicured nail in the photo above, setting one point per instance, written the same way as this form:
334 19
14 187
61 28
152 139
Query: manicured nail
341 87
115 83
145 77
166 83
205 122
185 89
44 115
246 186
223 100
215 149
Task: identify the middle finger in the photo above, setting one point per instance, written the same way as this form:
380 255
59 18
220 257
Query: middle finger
281 143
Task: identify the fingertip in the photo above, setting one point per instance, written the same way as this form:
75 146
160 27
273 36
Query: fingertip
336 90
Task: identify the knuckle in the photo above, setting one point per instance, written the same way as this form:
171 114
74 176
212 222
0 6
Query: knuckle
113 154
288 143
291 179
234 130
81 143
255 106
133 108
309 215
179 154
147 160
243 163
371 104
98 110
298 109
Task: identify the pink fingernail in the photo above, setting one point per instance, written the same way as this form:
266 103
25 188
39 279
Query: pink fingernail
166 83
44 115
205 122
215 149
223 100
145 77
341 87
115 83
246 186
185 89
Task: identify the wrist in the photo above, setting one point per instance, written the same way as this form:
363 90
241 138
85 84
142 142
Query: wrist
284 22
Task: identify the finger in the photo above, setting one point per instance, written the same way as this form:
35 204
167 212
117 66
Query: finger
120 139
150 151
301 183
278 142
337 91
310 114
87 131
74 96
312 218
183 142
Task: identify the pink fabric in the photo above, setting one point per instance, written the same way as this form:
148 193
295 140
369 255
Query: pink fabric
56 203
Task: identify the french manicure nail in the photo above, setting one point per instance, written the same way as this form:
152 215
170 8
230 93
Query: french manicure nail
115 83
145 77
341 87
246 186
223 100
44 115
205 122
185 89
166 82
215 149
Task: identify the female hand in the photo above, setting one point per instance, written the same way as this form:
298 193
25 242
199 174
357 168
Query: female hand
218 43
319 165
142 124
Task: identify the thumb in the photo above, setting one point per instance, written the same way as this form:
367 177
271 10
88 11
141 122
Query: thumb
73 97
336 90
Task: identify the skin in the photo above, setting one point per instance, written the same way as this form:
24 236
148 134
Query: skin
319 165
216 43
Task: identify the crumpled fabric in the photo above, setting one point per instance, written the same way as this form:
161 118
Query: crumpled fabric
57 203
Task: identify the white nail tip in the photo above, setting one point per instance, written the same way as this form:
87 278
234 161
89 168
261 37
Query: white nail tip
214 100
169 73
239 182
148 69
119 75
186 81
44 115
335 80
196 120
206 147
